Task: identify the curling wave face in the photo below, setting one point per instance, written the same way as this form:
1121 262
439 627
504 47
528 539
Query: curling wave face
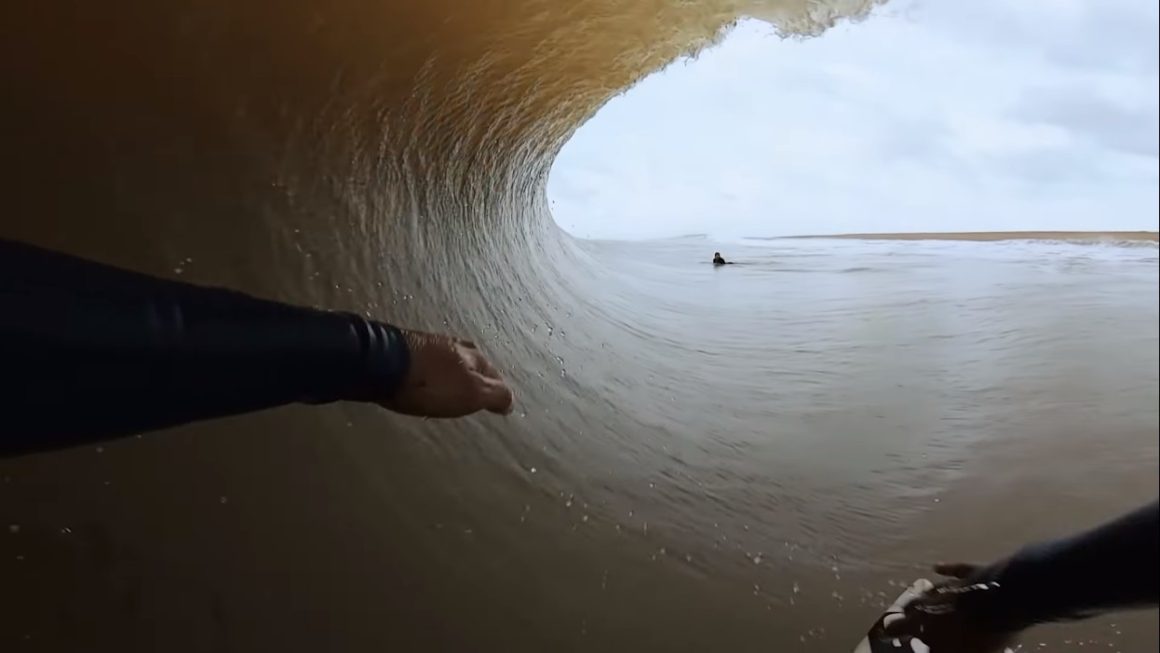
669 483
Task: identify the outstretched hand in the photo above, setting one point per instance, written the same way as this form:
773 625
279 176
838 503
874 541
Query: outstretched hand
943 621
448 377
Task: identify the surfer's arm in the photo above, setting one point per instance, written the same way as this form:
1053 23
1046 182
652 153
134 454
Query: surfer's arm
1111 567
90 352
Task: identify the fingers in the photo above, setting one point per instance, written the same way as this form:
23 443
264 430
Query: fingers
955 569
899 625
497 397
484 367
475 361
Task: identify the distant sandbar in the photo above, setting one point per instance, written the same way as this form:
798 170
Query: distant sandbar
1078 236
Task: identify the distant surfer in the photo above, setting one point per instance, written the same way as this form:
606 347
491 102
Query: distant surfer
719 260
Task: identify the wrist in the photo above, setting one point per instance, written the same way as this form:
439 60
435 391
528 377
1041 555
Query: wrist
1005 600
385 360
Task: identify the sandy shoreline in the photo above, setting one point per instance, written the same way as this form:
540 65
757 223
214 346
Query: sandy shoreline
1080 236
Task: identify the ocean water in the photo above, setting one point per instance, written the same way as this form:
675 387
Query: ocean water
747 458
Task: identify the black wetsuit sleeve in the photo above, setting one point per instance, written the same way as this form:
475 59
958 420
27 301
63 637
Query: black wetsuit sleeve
91 352
1111 567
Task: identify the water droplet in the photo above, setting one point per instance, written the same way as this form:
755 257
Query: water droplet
584 518
796 588
532 470
757 559
14 528
223 500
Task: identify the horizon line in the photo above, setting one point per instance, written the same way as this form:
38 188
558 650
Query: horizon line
1140 235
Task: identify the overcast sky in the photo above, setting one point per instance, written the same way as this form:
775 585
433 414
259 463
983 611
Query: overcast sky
932 115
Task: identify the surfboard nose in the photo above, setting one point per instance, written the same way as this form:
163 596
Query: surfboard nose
876 640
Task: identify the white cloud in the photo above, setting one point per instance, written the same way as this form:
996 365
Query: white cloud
930 115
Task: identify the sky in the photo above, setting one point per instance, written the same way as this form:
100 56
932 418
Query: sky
931 115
